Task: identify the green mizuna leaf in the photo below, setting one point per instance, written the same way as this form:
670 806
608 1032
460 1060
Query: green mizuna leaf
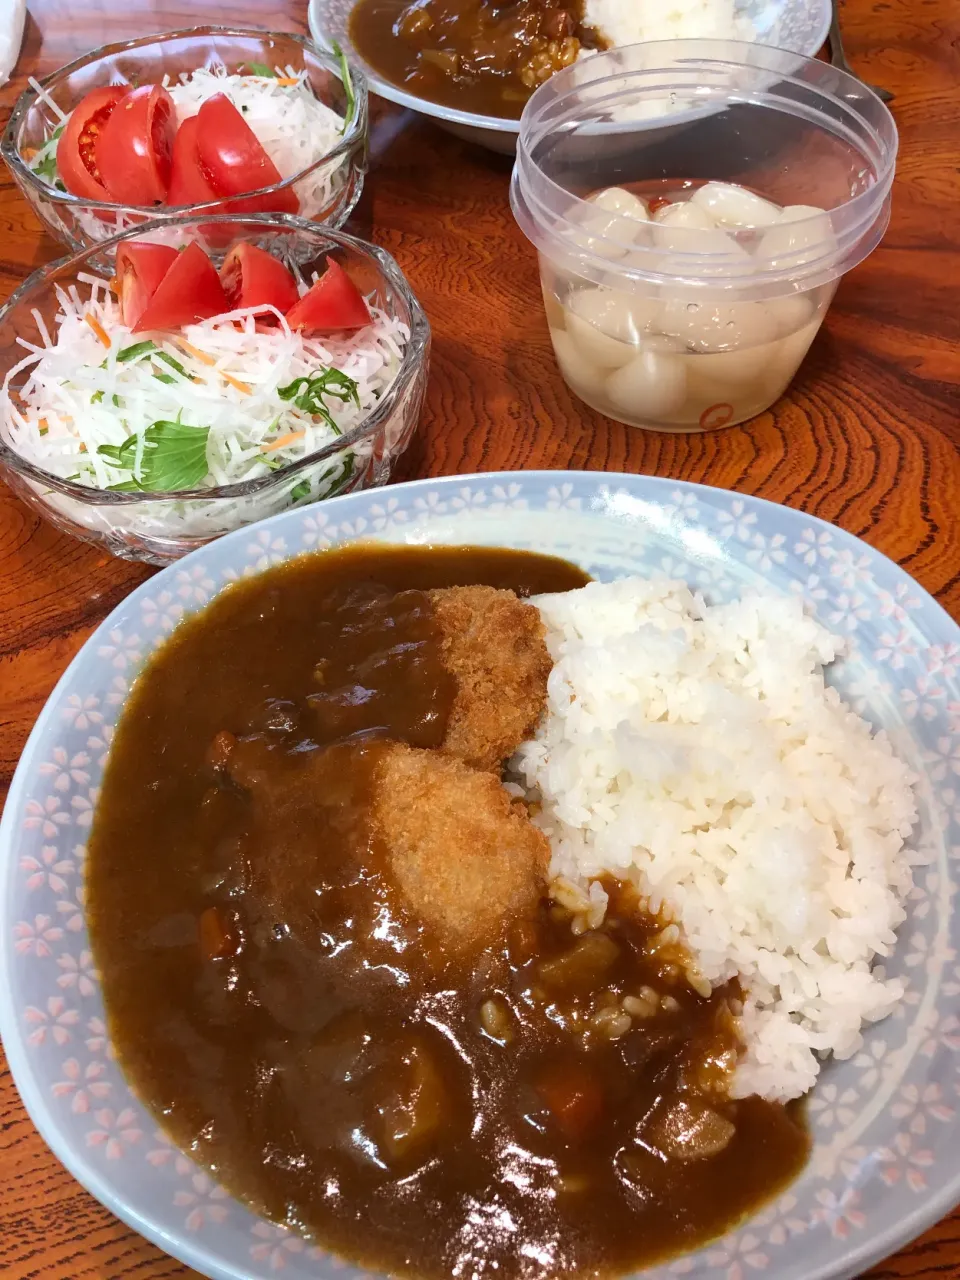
47 167
173 364
336 476
138 349
126 354
174 456
347 85
308 393
121 455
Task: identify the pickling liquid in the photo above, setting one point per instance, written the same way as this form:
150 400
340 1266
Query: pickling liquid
657 356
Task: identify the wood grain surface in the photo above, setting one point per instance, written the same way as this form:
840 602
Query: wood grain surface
867 437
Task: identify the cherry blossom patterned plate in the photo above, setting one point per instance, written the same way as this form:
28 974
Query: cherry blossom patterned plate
885 1123
799 26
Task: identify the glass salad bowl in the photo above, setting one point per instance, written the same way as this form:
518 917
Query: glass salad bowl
326 180
367 395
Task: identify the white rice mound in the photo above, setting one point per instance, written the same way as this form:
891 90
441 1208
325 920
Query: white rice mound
697 750
625 22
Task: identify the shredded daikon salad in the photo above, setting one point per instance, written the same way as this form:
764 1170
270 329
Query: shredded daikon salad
220 402
293 126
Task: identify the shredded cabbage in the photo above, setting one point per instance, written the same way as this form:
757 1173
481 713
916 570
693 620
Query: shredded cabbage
264 396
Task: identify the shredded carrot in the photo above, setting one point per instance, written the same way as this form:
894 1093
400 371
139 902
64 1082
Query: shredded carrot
288 80
210 362
97 328
283 440
215 939
29 152
191 350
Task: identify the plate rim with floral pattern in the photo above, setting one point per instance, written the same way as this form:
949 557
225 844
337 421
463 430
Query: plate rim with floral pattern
886 1162
798 26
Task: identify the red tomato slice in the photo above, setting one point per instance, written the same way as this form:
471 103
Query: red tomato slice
251 277
140 269
190 291
133 150
234 162
188 184
334 302
76 150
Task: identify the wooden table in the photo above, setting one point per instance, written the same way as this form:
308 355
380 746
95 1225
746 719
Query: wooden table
867 437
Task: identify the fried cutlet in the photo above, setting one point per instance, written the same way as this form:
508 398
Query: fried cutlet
465 857
493 645
462 858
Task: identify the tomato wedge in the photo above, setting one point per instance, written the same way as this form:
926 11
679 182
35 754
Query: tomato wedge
140 269
251 277
190 291
134 147
234 162
77 148
188 184
334 302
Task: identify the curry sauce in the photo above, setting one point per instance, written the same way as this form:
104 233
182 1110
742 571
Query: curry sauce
476 55
555 1103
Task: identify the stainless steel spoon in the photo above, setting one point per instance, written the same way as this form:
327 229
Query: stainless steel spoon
839 59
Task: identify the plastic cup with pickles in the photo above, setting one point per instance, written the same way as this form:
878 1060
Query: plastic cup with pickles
694 205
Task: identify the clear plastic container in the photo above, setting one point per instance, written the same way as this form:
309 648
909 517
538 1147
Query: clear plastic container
696 320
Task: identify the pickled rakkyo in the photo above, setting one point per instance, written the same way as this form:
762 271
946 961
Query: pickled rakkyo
676 357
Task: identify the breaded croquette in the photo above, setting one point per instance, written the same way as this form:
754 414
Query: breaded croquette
493 645
466 859
445 843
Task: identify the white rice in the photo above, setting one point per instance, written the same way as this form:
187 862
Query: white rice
696 750
638 23
625 22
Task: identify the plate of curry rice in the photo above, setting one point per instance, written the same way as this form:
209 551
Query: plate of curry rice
513 874
472 68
